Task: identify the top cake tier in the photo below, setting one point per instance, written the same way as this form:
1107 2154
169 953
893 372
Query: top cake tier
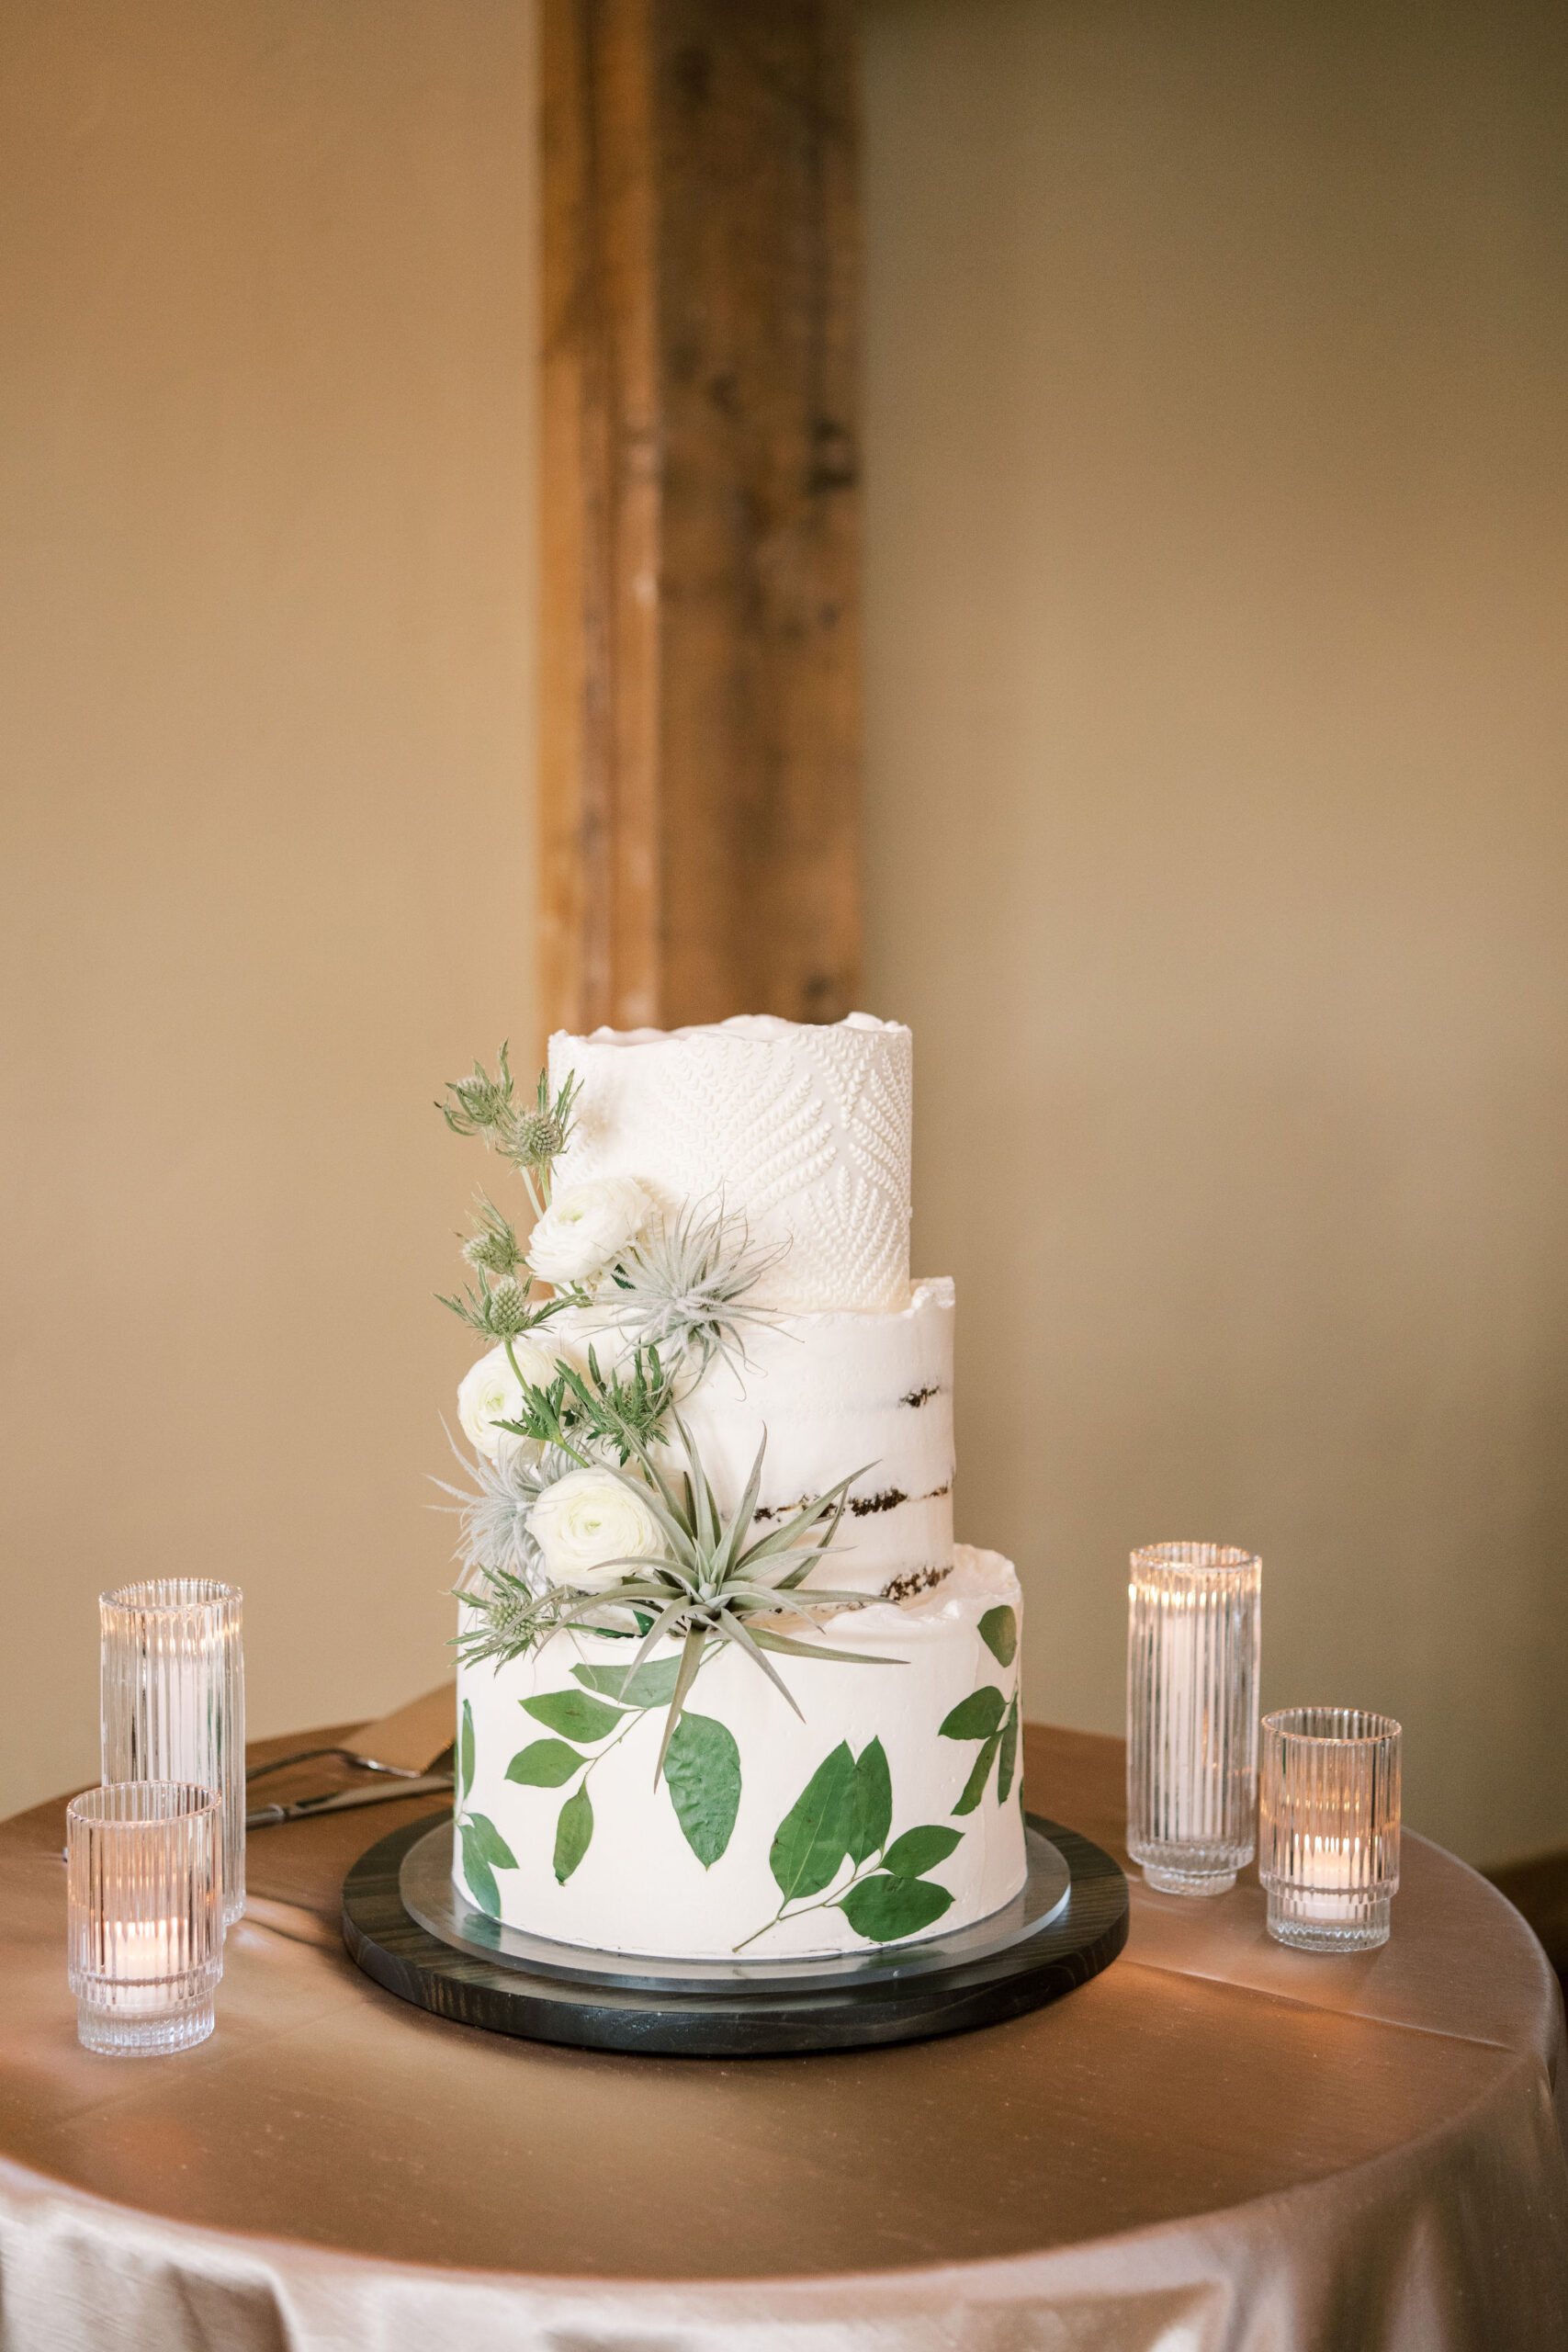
802 1132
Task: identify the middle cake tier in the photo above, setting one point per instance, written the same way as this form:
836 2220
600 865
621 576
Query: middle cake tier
834 1393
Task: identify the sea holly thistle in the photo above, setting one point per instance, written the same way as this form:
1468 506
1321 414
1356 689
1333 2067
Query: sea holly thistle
845 1814
502 1310
485 1851
493 1247
532 1137
701 1764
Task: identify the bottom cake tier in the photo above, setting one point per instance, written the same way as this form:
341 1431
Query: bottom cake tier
889 1808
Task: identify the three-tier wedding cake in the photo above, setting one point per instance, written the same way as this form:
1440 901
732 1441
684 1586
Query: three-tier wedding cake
727 1687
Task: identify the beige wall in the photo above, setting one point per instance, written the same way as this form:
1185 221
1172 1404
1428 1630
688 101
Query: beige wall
1217 369
1216 365
266 501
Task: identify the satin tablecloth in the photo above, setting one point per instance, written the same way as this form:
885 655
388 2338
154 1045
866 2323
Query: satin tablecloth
1216 2146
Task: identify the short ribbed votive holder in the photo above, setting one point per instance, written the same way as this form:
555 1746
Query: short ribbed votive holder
1328 1827
144 1873
172 1686
1193 1617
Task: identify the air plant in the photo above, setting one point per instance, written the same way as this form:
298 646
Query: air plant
683 1285
711 1584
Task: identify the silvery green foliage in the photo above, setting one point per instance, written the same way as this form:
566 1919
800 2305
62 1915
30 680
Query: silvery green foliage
682 1288
507 1570
494 1508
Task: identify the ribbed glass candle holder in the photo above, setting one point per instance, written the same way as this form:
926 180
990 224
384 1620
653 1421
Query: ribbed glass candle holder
172 1688
1328 1827
1193 1636
145 1878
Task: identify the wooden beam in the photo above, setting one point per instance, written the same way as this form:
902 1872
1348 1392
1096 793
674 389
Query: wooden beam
700 673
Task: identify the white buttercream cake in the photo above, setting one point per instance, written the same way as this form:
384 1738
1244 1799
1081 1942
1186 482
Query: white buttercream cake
877 1798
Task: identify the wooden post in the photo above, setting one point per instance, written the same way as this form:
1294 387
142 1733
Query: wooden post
700 674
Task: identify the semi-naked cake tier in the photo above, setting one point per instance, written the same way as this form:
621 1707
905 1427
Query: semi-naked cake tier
639 1887
832 1393
880 1802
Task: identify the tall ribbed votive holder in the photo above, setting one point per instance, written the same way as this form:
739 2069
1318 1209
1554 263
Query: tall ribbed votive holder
1193 1639
1328 1827
172 1688
144 1893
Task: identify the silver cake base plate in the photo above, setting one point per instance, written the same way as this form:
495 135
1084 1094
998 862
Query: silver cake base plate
407 1926
431 1895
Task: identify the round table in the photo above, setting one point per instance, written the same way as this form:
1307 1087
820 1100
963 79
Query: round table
1216 2145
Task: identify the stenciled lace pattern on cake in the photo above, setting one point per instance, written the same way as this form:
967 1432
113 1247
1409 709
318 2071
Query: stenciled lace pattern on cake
809 1144
857 1218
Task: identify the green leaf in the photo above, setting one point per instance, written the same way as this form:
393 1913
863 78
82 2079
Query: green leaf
703 1769
575 1714
999 1631
477 1871
974 1786
573 1831
489 1842
466 1753
650 1686
871 1816
920 1849
544 1764
1009 1753
814 1836
976 1717
884 1909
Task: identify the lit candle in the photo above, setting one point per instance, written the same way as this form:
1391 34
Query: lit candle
1328 1827
1325 1878
142 1958
144 1907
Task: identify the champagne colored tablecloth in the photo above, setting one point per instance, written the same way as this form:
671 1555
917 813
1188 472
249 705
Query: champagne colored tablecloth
1216 2146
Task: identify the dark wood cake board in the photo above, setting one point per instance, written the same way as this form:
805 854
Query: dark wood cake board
1043 1944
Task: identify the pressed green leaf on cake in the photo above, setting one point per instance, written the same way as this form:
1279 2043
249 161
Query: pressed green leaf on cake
976 1717
883 1908
871 1815
489 1842
544 1764
999 1631
650 1686
702 1769
477 1871
573 1830
574 1714
974 1786
466 1753
814 1836
1008 1753
920 1849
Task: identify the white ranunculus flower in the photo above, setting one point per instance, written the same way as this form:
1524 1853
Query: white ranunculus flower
586 1228
585 1520
488 1393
